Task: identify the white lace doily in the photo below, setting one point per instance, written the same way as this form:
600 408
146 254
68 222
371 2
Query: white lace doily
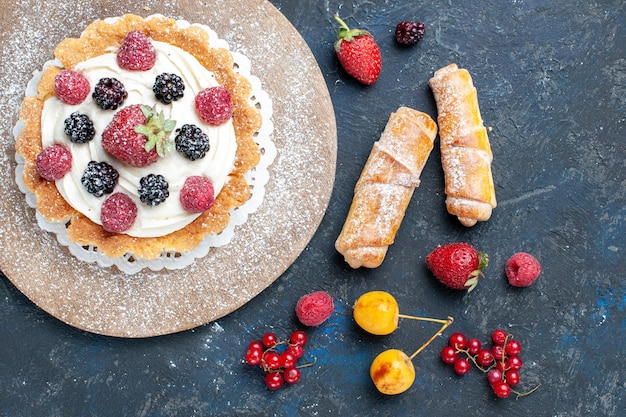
256 177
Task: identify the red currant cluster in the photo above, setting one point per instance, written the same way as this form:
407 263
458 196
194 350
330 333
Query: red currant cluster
501 362
278 359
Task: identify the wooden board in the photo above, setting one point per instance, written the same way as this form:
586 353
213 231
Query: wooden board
105 301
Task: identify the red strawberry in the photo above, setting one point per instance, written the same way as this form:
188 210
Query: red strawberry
358 53
137 135
522 269
136 52
457 265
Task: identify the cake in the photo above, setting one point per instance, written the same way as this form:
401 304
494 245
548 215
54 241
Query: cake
142 140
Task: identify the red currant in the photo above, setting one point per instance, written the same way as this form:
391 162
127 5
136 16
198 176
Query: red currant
295 350
512 378
448 355
513 347
458 340
292 375
274 380
269 340
498 352
473 346
461 366
513 362
498 336
494 376
287 360
271 360
484 358
298 338
253 357
502 389
255 345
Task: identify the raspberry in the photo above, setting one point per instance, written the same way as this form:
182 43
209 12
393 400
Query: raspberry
136 52
214 105
409 32
118 213
168 88
54 162
99 178
71 87
313 309
192 142
153 189
109 93
79 128
197 194
522 269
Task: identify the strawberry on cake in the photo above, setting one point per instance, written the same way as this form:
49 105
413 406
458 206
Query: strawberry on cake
140 137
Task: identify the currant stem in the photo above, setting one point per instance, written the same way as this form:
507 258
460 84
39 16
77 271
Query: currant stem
442 321
523 394
446 323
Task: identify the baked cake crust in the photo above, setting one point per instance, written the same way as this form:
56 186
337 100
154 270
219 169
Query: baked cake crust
97 39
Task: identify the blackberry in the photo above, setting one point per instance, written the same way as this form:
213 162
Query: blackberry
153 189
109 93
168 87
79 128
410 32
99 178
192 142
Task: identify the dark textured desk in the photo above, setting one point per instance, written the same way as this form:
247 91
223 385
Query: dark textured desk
551 78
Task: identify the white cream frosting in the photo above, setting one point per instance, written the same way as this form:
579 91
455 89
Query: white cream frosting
169 216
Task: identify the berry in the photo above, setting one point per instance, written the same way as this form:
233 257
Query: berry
191 142
253 357
358 53
137 135
214 105
499 336
315 308
54 162
296 350
269 340
494 376
409 32
498 353
136 52
513 363
79 128
71 87
512 378
99 178
197 194
461 366
271 361
153 189
448 355
291 375
118 213
168 87
255 345
474 347
298 338
502 389
458 340
287 360
457 265
513 347
484 358
274 380
522 269
109 93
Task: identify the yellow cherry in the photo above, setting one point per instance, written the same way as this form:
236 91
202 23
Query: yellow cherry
377 312
392 372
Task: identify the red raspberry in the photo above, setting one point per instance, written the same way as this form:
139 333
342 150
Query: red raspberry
313 309
118 213
71 87
214 105
54 162
136 52
522 269
197 194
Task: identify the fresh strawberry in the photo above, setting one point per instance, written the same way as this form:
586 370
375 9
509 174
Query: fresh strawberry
457 265
71 87
136 52
522 269
138 135
54 162
358 53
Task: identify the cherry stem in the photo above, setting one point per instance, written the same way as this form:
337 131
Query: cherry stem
446 323
442 321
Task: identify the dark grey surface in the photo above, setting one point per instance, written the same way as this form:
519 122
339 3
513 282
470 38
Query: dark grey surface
551 79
